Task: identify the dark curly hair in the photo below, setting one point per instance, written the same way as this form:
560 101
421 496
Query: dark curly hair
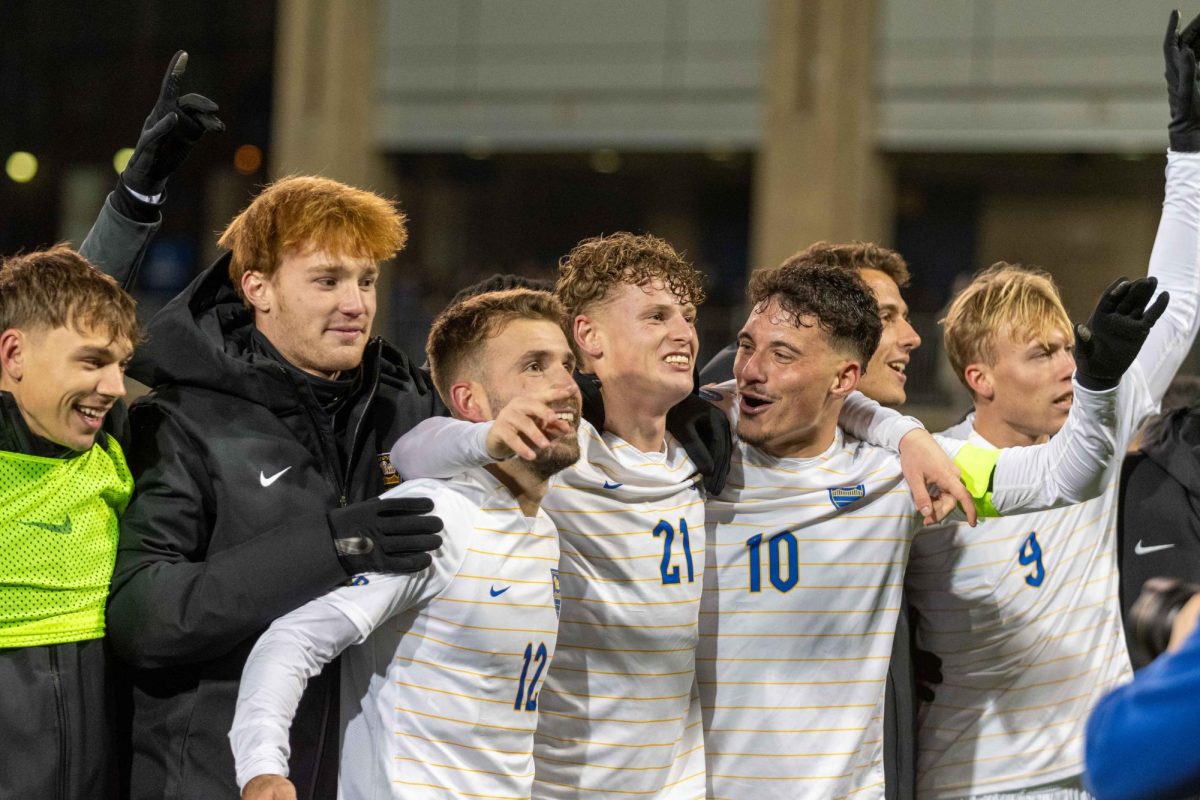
594 266
840 301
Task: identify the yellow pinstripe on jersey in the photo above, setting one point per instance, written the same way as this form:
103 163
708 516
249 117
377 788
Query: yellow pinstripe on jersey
619 716
799 610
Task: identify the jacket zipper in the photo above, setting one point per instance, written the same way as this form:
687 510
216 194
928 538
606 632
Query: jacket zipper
64 766
354 448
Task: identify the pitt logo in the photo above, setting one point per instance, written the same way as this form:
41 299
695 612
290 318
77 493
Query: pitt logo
846 495
557 593
390 476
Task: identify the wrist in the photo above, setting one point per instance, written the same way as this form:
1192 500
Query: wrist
136 205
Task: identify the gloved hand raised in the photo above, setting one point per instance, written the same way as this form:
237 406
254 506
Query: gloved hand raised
387 534
1107 345
1179 52
173 127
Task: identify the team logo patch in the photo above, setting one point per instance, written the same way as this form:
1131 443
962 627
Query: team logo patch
846 495
557 593
390 476
358 580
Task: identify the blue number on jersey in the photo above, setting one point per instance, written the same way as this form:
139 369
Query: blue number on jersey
538 657
778 580
670 574
1031 553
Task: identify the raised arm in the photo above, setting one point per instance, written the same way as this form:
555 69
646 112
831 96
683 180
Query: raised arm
132 212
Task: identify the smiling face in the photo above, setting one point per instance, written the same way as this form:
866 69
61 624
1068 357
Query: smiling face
316 308
646 342
1027 388
790 382
886 376
527 356
64 380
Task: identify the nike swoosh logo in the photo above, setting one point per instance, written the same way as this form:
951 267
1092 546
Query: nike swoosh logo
265 481
608 485
495 593
64 528
1142 549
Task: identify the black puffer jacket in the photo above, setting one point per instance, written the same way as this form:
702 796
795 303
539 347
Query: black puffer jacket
236 466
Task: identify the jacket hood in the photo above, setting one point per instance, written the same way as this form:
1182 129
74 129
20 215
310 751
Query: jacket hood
1179 452
201 338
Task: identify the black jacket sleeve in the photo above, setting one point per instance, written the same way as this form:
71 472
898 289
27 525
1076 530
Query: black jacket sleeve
117 244
175 597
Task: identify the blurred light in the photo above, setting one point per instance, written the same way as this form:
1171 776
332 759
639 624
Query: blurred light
605 161
478 149
21 166
121 159
247 159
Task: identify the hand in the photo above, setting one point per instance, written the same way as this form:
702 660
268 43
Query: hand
933 478
1184 624
703 430
528 423
269 787
391 534
1179 53
173 127
1108 344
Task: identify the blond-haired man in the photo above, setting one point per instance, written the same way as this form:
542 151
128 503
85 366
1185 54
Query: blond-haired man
1024 612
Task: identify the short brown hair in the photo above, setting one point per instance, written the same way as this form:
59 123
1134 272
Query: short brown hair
596 265
1020 301
459 331
840 301
856 255
57 287
303 210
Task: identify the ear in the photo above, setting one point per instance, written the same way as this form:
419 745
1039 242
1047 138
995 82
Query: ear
587 336
12 354
845 380
257 290
468 401
979 379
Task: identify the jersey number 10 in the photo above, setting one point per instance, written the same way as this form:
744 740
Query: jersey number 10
781 580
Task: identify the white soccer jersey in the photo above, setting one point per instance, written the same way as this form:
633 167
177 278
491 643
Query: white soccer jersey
441 696
1024 611
619 711
620 716
805 567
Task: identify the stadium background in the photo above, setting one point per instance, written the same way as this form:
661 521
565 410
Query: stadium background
958 132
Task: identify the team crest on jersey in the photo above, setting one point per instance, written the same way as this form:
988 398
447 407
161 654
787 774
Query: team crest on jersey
846 495
557 593
390 476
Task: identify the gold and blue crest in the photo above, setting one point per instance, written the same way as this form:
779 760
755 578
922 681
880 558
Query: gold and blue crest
557 593
847 494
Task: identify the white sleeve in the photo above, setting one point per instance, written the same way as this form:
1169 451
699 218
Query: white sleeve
441 447
865 419
1175 261
1068 469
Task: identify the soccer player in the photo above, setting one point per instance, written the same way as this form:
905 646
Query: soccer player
886 272
808 543
1025 612
66 334
452 660
619 713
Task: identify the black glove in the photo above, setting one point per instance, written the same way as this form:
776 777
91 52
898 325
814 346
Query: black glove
175 124
703 430
1179 52
927 669
1108 344
593 401
392 534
